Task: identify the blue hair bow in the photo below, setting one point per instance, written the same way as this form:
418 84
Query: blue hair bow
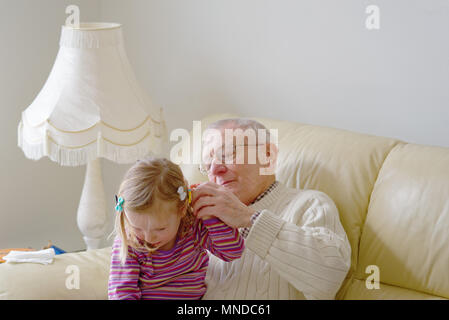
119 204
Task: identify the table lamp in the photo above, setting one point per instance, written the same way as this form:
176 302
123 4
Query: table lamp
92 107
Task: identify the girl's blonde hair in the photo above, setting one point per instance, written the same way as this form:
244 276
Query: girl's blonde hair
147 182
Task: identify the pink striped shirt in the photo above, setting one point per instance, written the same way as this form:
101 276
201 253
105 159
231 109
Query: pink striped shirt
177 273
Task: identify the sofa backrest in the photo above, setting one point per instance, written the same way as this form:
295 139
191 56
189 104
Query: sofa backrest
346 166
406 231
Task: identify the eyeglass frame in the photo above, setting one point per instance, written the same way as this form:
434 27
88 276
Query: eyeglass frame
234 157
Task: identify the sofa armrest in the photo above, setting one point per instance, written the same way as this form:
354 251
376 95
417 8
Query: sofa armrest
57 281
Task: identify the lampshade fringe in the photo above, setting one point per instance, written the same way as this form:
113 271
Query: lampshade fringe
103 149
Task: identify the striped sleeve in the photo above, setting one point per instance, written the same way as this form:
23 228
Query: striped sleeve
221 240
123 279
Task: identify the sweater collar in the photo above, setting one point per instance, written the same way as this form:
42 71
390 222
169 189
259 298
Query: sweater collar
269 196
267 191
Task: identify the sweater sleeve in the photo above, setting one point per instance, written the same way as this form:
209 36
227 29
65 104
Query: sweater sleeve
123 279
308 248
220 239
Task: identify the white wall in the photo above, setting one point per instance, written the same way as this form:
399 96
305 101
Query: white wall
307 61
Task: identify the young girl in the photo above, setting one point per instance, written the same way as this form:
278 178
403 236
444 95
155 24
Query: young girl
159 251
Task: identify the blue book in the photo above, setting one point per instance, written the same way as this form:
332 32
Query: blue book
57 250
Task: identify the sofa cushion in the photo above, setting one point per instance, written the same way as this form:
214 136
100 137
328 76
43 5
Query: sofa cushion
358 290
406 231
26 281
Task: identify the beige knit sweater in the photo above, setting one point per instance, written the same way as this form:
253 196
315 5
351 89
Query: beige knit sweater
296 249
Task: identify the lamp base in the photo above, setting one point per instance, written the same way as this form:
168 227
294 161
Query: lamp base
93 243
91 216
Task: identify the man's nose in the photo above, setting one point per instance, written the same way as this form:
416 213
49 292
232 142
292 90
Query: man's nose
217 168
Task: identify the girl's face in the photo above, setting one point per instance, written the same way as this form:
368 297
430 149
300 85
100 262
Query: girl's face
158 225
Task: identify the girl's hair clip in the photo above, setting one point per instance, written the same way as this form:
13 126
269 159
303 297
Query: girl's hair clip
119 204
183 194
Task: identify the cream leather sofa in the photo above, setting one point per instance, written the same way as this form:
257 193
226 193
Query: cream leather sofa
393 199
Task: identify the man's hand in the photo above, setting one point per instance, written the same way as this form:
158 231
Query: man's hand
211 199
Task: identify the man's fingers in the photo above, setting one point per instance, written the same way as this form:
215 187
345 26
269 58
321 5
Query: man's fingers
206 189
204 201
206 211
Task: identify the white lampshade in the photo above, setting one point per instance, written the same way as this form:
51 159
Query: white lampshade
91 104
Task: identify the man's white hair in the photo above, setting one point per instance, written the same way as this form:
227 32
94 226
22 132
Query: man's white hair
241 123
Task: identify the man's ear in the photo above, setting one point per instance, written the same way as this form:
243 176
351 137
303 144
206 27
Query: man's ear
274 152
271 154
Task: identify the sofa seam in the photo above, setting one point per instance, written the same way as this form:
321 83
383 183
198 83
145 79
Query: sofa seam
396 144
396 286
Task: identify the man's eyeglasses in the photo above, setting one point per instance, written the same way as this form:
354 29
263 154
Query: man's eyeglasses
233 154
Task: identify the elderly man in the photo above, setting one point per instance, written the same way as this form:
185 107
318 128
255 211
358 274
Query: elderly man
296 247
